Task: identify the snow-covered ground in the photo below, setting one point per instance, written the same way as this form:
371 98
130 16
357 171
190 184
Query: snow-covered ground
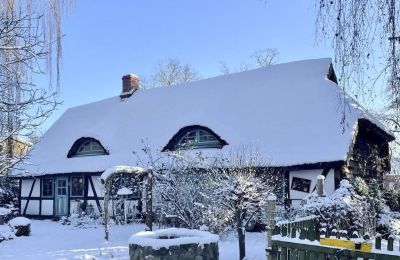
51 240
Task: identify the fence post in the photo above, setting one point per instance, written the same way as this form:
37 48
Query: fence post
271 213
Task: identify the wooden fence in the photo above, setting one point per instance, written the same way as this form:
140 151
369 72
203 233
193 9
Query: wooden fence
304 239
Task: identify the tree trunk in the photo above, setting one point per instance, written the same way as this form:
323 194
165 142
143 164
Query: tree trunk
149 202
241 234
106 217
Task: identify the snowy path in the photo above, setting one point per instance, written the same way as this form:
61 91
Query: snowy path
51 240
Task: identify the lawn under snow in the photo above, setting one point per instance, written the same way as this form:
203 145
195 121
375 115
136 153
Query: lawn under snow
51 240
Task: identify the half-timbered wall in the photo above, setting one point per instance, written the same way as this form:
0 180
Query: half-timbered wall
30 197
296 194
34 204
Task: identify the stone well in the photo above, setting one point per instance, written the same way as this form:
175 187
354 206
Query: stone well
174 243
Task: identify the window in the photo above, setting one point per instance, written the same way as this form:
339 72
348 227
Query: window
90 148
77 186
86 147
198 139
300 184
47 187
194 137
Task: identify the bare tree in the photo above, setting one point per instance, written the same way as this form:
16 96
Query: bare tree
172 72
239 192
265 57
258 59
29 32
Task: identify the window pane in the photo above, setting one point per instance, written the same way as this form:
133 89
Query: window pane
206 137
189 138
47 189
77 187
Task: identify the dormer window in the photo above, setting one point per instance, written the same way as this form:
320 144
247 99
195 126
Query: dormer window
194 137
86 147
90 148
197 139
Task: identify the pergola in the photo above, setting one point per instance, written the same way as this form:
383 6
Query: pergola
106 180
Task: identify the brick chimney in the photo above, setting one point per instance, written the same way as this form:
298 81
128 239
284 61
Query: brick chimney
130 83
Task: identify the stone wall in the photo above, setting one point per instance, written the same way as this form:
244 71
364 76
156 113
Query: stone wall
179 252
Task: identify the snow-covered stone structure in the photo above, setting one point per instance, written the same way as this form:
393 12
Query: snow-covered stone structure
292 113
174 243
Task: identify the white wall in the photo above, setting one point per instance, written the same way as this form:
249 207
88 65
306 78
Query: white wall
33 207
97 186
311 175
73 206
26 185
47 207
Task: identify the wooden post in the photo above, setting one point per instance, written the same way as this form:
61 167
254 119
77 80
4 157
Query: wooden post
320 185
106 218
149 201
378 242
390 243
271 214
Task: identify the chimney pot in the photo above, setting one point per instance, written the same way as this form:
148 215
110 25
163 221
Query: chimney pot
130 83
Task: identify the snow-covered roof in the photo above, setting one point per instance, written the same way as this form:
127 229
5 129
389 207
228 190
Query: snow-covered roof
121 169
291 112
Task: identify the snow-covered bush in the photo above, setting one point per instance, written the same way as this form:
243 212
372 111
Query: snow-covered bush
360 186
21 226
184 190
344 209
389 223
5 215
392 198
82 220
375 196
9 190
6 233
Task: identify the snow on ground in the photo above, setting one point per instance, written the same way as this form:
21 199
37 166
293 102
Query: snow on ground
51 240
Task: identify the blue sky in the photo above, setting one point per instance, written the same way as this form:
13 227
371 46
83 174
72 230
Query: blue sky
105 40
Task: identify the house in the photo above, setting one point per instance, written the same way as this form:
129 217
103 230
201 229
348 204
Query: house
295 114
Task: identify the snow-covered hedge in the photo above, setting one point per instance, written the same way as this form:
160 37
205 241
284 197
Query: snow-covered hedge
344 209
82 221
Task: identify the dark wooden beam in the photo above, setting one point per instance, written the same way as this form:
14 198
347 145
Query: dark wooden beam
19 197
40 195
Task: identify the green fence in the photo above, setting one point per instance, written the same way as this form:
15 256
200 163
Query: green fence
301 240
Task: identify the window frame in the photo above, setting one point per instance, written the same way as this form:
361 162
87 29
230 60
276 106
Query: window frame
74 151
72 183
197 144
91 151
304 182
43 189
